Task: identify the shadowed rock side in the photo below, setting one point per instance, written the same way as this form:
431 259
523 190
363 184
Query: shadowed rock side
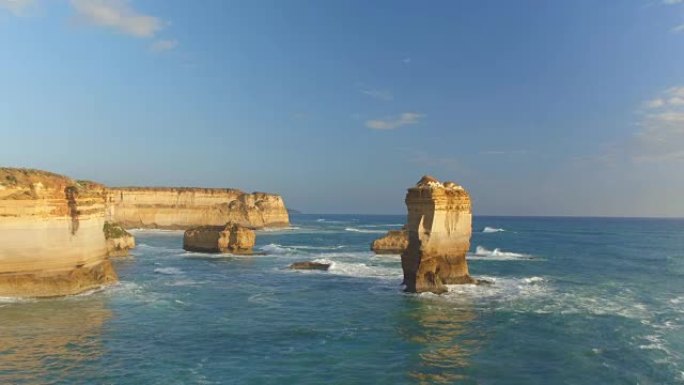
439 229
51 238
309 265
183 208
395 242
119 241
232 238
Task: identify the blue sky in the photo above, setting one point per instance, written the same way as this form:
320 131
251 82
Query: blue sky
536 107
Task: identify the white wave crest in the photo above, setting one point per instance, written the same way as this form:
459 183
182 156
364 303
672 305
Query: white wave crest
168 270
362 270
484 254
274 248
355 230
488 229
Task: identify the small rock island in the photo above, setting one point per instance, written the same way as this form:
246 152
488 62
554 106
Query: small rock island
232 238
439 229
394 242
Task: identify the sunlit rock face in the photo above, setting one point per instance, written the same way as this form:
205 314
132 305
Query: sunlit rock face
119 241
232 238
183 208
51 235
395 242
439 230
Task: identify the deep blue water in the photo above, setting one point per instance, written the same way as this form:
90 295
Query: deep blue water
574 301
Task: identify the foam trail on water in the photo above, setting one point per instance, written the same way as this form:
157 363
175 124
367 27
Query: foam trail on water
355 230
482 253
488 229
361 270
168 270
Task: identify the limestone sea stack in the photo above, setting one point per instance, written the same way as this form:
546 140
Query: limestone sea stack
439 229
183 208
395 242
51 238
119 241
232 238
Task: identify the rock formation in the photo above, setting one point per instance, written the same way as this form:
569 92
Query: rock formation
51 238
232 238
119 241
308 265
439 229
183 208
395 242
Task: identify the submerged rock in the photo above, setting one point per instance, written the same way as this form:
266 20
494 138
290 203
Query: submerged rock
309 265
439 230
119 241
395 242
51 239
231 238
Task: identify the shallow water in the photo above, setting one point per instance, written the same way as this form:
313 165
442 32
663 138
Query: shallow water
574 301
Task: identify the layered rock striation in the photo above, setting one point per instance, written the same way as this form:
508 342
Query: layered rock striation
232 238
51 238
439 230
395 242
183 208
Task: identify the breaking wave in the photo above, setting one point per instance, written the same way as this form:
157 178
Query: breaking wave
168 270
488 229
497 254
362 270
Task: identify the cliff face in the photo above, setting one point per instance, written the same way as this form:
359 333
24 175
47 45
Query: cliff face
439 229
182 208
395 242
51 238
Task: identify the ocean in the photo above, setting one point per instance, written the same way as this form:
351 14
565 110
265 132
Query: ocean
574 301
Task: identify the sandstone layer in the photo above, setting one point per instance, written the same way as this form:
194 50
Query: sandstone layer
119 241
183 208
232 238
51 238
439 229
395 242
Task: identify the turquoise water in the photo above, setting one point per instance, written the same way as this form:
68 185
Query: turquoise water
574 301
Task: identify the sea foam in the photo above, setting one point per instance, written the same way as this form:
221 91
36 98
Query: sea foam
484 254
488 229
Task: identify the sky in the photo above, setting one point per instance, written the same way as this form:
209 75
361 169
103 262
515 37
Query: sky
535 107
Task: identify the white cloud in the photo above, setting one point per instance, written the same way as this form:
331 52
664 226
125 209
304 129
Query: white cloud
118 15
163 45
672 2
378 94
661 137
17 7
405 119
679 28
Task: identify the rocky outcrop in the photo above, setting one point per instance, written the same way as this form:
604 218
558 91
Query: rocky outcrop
439 229
119 241
308 265
395 242
232 238
183 208
51 238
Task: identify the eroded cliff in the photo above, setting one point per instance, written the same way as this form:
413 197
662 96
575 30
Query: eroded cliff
51 238
183 208
439 230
